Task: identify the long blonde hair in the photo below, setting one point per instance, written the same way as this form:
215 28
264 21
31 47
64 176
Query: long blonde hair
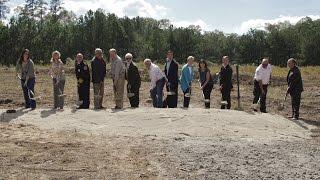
55 52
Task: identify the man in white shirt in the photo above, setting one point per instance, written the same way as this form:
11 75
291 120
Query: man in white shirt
158 81
118 77
261 81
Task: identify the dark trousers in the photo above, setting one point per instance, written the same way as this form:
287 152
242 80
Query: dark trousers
134 101
172 100
29 103
58 89
226 97
186 100
258 95
207 94
84 95
157 93
295 101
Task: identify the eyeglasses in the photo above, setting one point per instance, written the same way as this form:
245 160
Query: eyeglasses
128 58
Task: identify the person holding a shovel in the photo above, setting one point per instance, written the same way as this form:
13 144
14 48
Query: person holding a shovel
58 78
98 73
186 78
134 81
118 77
26 74
226 83
261 82
295 87
206 82
171 72
83 78
158 80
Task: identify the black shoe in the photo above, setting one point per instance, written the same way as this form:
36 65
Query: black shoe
117 107
264 111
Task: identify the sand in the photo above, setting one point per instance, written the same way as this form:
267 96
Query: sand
148 143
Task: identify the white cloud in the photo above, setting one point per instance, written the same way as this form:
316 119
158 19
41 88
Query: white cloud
261 23
203 25
119 7
130 8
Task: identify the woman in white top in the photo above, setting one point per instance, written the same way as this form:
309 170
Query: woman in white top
58 78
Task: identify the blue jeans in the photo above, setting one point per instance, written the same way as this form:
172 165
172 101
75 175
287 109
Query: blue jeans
29 103
157 93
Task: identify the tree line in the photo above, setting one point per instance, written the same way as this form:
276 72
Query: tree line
43 27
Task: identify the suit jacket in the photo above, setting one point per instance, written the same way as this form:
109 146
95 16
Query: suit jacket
117 69
83 72
133 77
186 77
172 75
98 70
226 78
294 80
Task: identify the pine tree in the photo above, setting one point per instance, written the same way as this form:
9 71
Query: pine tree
55 7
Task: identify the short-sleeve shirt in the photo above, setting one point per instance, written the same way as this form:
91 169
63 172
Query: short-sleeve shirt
263 74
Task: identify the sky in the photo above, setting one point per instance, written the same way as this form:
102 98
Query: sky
229 16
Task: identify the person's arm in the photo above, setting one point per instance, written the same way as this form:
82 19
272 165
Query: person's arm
137 78
221 79
93 72
29 71
261 87
259 79
153 78
230 78
61 72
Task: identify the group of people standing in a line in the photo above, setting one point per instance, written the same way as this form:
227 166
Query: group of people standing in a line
168 78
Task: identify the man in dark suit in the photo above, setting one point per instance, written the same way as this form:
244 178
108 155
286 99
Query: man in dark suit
171 72
226 82
295 87
134 81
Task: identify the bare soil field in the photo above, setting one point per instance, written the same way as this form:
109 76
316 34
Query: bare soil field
147 143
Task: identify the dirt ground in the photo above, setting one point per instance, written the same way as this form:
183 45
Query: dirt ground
147 143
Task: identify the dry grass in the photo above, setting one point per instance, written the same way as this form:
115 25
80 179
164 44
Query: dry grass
310 100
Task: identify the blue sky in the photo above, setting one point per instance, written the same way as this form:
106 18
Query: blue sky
230 16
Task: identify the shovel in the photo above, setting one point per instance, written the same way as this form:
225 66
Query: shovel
61 94
188 94
30 92
281 105
130 94
170 93
224 103
203 97
256 106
